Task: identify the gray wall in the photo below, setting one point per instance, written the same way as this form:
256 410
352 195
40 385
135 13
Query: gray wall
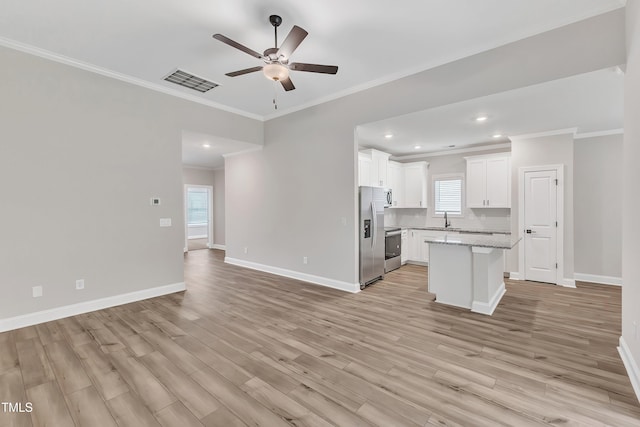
543 151
631 174
597 199
81 156
214 178
219 208
288 200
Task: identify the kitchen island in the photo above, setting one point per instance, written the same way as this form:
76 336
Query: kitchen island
466 270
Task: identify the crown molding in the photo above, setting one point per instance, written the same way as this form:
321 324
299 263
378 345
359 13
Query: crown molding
449 152
200 167
566 131
619 131
42 53
238 153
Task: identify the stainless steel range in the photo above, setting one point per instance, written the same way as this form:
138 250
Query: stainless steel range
392 248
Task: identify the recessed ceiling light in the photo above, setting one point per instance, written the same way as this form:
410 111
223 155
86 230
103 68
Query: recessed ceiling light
206 145
497 135
417 147
388 135
481 118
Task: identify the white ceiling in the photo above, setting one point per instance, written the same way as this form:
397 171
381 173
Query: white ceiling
196 153
372 41
591 102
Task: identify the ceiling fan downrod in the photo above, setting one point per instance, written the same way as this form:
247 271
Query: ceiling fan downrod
275 20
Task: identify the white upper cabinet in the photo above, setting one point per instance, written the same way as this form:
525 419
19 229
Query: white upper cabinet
378 176
407 181
415 185
364 170
489 181
395 175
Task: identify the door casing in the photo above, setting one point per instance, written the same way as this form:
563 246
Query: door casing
560 280
210 216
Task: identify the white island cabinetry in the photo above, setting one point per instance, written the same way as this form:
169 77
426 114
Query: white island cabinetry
467 270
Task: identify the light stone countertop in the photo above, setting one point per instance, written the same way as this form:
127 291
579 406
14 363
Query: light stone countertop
478 240
459 230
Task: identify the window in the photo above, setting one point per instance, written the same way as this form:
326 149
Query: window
197 206
447 194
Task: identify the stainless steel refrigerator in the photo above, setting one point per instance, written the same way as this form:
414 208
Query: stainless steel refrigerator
372 203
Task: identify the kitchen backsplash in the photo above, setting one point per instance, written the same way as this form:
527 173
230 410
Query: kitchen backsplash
474 219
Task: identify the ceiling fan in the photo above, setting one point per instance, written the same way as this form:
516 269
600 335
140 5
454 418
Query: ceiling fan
276 60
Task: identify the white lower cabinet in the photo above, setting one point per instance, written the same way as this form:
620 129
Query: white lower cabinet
404 248
418 249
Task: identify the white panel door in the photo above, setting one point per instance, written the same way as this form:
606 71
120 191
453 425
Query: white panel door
540 207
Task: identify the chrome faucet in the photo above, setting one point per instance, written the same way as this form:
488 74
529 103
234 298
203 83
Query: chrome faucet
447 223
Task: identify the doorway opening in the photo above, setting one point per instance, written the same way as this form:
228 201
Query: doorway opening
198 217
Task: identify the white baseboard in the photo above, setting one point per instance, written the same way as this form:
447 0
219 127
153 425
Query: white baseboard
453 304
318 280
38 317
568 283
489 307
514 275
594 278
217 246
631 366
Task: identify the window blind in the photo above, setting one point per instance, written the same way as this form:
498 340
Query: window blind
197 206
448 196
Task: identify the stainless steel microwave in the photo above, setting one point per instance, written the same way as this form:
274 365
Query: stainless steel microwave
388 198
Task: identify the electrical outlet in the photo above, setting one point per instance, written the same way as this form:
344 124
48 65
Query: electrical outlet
155 201
80 284
165 222
37 291
344 220
304 260
246 250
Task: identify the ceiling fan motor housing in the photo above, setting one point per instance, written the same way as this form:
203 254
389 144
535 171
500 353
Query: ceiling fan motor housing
275 20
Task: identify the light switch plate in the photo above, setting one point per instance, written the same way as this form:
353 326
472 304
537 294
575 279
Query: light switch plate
155 201
165 222
37 291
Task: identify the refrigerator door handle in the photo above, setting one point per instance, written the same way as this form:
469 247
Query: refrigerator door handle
375 225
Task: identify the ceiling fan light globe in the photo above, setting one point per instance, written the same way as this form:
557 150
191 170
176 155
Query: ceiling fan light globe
277 72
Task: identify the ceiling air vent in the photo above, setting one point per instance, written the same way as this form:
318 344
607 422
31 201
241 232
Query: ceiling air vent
185 79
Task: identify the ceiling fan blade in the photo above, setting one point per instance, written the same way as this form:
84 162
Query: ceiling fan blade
245 71
293 40
287 84
237 45
313 68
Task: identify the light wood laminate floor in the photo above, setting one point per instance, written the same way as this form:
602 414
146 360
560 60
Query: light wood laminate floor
244 348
